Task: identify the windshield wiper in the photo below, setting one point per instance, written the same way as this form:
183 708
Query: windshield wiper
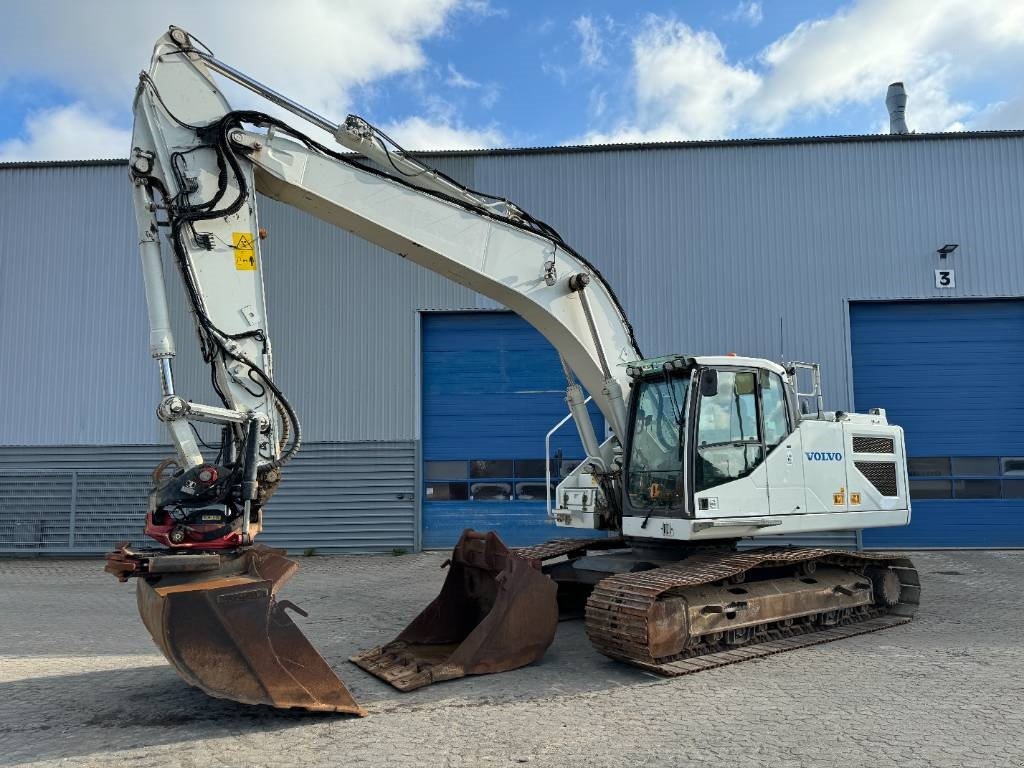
730 442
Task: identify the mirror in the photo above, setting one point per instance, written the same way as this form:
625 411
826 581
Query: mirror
745 383
709 382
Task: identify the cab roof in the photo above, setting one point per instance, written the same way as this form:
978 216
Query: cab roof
751 362
652 365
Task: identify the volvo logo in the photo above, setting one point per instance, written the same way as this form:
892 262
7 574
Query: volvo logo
819 456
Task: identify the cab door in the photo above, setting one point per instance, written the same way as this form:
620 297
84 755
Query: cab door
730 478
783 443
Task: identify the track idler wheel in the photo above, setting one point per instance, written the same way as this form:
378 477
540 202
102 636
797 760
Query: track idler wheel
886 585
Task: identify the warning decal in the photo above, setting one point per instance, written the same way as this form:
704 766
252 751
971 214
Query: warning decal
245 251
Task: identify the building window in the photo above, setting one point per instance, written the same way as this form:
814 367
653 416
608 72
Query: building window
447 491
966 477
445 470
932 466
493 480
490 490
490 468
931 489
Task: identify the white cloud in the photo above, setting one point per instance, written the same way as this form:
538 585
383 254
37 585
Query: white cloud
852 56
1002 115
490 95
71 132
458 80
323 55
485 9
591 44
597 102
685 86
419 134
748 12
316 52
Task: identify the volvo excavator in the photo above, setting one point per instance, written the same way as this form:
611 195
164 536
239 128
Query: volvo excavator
705 454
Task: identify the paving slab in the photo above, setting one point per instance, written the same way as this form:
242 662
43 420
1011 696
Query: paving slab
81 684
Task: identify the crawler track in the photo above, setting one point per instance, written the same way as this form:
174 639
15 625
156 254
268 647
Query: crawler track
620 607
549 550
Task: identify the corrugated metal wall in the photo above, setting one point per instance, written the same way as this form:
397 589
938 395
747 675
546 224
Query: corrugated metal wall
745 247
336 497
730 247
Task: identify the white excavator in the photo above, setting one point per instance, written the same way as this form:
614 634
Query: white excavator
704 452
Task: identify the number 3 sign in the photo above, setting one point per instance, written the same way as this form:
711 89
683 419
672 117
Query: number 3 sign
945 278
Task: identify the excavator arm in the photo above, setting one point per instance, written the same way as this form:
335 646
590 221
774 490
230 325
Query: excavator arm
196 167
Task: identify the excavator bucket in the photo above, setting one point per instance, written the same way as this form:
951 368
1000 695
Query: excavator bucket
496 612
225 633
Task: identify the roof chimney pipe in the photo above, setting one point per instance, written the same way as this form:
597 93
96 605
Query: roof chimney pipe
896 101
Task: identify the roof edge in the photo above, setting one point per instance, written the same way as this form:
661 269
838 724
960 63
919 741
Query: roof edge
622 147
712 143
62 163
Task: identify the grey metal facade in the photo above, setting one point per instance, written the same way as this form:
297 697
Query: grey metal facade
339 497
754 247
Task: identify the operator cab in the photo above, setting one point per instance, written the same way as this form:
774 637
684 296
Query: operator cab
701 422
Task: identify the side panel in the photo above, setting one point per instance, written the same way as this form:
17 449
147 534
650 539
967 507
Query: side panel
823 455
786 484
745 497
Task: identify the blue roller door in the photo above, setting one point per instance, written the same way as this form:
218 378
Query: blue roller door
951 373
492 388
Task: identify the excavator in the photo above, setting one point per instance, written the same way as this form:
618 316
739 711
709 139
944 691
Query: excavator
705 453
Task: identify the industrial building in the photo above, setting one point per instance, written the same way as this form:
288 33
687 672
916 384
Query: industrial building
894 260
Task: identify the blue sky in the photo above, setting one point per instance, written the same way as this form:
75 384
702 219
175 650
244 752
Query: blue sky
481 73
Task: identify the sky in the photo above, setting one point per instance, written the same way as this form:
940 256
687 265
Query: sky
456 74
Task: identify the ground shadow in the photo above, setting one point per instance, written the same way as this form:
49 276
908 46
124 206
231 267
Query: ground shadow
72 715
75 715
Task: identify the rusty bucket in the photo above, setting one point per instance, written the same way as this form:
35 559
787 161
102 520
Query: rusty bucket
496 612
225 633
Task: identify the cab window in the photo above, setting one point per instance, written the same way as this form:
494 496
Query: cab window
654 476
773 403
728 442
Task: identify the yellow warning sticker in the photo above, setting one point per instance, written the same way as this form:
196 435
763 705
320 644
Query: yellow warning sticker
245 251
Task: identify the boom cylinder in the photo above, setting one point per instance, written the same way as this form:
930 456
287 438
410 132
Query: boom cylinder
161 339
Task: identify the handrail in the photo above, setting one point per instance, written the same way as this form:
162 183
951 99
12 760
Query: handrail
547 456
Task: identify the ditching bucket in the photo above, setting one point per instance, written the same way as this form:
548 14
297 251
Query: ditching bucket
496 612
225 633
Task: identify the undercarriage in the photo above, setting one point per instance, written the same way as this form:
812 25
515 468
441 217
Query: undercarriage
703 607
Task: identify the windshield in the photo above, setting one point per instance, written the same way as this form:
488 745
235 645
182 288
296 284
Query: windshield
654 474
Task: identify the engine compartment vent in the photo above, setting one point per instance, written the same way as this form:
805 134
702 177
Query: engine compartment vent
866 444
881 474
